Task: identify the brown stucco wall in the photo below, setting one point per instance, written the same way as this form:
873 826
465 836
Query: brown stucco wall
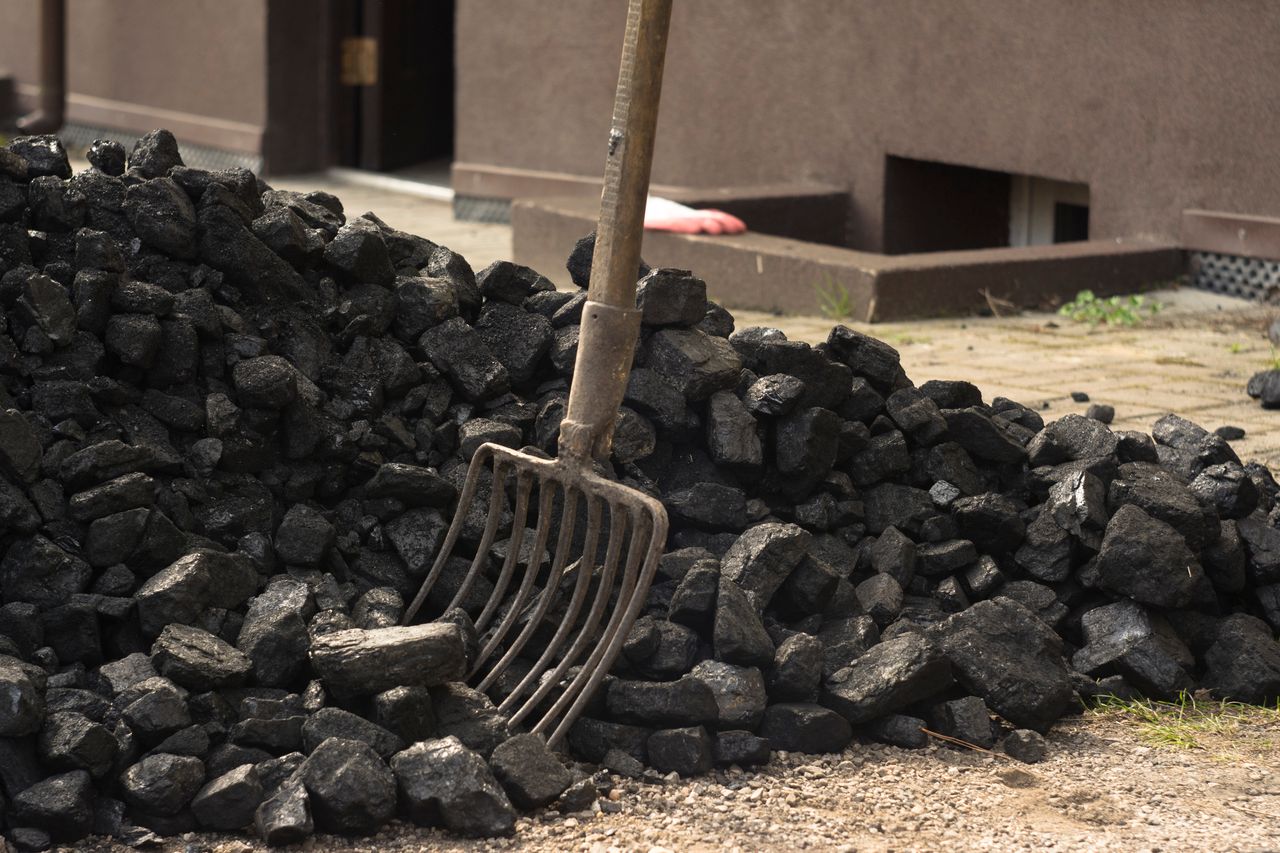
1158 105
134 64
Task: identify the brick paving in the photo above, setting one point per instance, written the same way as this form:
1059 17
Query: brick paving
1193 358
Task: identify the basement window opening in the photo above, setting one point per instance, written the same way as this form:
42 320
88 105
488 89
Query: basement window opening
940 207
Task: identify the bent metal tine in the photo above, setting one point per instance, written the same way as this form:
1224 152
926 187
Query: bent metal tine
628 607
591 629
524 485
516 608
455 529
497 499
617 530
546 498
552 589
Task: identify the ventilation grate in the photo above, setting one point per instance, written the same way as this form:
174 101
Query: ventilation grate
1234 275
469 208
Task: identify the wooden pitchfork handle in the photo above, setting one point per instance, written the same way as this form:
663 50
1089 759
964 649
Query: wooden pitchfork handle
610 321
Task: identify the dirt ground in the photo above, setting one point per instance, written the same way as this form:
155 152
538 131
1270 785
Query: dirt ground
1110 781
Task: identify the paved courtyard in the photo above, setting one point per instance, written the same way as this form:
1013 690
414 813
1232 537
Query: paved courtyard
1193 358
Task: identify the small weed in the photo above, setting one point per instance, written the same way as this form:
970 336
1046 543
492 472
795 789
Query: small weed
1236 348
1114 311
1273 363
834 299
1185 721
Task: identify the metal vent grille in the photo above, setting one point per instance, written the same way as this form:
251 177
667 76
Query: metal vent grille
78 137
1234 275
469 208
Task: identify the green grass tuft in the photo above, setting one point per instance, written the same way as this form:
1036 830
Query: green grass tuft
834 300
1187 721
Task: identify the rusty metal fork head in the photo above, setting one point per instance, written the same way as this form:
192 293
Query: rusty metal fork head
587 596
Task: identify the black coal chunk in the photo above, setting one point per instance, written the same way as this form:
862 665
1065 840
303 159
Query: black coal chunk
285 817
163 783
358 252
693 361
796 671
805 727
459 352
1244 661
44 155
351 790
162 216
195 659
517 338
442 783
868 357
668 297
229 801
529 771
741 748
61 805
686 751
154 154
1146 559
893 674
1002 653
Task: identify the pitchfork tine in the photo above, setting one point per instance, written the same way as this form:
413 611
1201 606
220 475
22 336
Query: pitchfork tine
524 485
497 498
567 519
553 586
596 668
617 532
451 538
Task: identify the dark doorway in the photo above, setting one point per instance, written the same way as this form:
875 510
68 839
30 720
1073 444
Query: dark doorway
396 83
938 207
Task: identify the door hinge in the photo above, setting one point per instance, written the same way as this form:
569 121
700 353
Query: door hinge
359 61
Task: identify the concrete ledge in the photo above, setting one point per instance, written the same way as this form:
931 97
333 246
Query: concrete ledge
1231 234
767 273
818 211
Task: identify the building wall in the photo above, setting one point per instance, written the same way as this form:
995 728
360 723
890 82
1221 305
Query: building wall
1157 105
197 66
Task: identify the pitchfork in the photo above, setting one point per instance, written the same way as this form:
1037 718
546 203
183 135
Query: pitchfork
553 691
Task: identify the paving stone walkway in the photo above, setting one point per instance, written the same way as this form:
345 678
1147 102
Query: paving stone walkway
1193 358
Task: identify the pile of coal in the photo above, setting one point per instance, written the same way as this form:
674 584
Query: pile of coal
233 423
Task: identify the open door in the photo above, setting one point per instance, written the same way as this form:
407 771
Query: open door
396 78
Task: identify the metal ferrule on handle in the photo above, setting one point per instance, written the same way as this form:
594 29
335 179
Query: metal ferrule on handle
610 321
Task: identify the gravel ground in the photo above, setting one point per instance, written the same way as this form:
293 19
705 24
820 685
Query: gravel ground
1103 786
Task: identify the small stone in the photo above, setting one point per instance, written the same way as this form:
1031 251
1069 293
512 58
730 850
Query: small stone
1025 745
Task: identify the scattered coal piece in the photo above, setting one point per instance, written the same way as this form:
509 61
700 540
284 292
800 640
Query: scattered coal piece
1101 412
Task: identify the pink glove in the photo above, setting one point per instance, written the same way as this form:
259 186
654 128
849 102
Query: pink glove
661 214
